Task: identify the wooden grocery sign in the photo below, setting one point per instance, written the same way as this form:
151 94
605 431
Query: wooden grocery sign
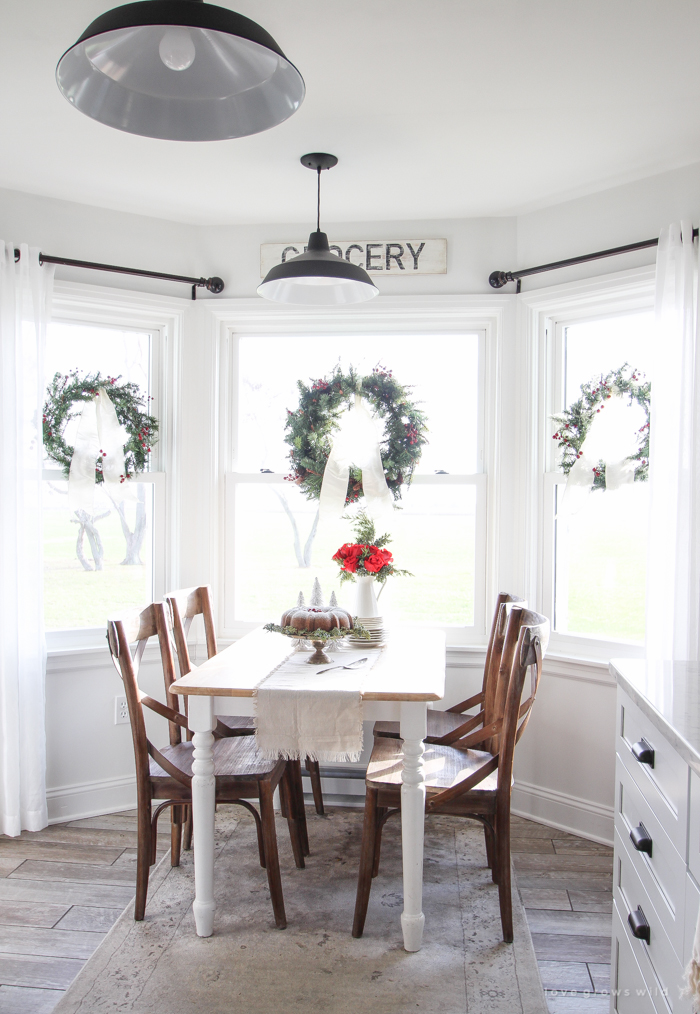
378 257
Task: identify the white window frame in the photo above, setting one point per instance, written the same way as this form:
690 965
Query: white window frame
163 318
432 315
544 315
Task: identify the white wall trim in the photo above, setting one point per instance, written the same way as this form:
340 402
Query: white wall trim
563 811
90 799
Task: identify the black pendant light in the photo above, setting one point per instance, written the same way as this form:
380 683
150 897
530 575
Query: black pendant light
181 70
318 277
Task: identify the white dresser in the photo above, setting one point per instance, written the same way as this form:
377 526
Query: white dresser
657 834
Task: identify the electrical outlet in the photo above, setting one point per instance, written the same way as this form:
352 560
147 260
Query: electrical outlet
121 711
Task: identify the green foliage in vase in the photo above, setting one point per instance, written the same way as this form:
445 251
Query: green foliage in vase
367 556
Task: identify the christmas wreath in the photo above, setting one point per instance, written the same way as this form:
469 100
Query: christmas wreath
65 396
573 424
310 427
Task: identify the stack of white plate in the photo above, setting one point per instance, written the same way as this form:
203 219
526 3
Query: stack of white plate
375 626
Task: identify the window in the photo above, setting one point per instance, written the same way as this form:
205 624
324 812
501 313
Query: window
275 547
114 559
597 555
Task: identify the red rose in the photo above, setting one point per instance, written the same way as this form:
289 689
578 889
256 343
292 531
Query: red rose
350 564
347 550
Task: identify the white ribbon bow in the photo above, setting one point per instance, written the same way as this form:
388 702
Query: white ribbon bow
99 433
356 443
612 438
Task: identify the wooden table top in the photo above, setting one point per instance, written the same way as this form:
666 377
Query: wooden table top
411 667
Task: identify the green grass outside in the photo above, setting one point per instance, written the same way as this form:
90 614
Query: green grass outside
75 598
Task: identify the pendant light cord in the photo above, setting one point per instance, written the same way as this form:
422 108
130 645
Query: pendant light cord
318 201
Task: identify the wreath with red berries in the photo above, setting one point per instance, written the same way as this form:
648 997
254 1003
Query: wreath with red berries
573 424
65 396
310 427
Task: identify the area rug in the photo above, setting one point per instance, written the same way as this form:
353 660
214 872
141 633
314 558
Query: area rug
160 966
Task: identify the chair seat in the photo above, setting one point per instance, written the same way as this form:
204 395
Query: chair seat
235 759
444 766
238 725
439 724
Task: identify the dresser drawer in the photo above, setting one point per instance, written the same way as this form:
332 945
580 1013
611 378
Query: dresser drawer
630 993
663 873
665 784
630 895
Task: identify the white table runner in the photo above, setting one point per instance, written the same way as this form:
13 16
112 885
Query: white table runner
301 711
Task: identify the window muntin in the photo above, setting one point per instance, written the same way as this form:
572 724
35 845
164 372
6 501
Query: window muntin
600 551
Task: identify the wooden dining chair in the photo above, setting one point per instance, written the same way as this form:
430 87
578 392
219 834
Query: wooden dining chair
184 605
460 780
448 726
164 776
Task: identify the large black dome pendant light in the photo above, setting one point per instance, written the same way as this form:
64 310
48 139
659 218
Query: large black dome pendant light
318 277
180 70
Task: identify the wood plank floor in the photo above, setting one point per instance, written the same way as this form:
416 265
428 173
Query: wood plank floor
565 884
62 888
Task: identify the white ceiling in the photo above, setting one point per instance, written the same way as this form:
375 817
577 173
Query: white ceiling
435 108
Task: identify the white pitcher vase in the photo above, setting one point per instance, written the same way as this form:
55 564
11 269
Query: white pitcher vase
365 599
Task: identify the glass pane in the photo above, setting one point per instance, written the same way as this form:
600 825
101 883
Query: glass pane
95 569
443 371
433 537
600 559
601 565
90 349
599 346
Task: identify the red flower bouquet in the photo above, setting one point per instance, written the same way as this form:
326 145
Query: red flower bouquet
367 555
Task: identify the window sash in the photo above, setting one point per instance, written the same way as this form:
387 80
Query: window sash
163 319
549 312
456 634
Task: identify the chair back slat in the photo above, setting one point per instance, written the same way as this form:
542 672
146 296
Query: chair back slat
531 631
119 631
184 605
152 621
494 652
532 645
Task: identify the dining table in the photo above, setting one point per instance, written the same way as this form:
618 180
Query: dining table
407 677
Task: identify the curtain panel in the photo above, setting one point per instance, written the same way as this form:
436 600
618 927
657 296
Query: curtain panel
25 306
673 577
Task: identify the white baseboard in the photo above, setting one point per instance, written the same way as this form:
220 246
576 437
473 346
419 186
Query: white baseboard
90 799
564 812
555 809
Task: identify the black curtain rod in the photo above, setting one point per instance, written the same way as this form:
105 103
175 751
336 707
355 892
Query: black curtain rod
211 284
497 279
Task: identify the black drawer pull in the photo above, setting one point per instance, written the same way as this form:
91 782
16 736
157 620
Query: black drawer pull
641 839
643 752
639 925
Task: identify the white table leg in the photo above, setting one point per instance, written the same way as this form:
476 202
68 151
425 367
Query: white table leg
201 722
413 731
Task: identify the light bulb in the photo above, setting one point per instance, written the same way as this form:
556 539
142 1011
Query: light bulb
177 49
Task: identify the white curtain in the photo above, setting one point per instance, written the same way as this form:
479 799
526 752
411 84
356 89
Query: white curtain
673 579
25 299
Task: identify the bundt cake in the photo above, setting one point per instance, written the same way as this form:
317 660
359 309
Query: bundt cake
317 616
